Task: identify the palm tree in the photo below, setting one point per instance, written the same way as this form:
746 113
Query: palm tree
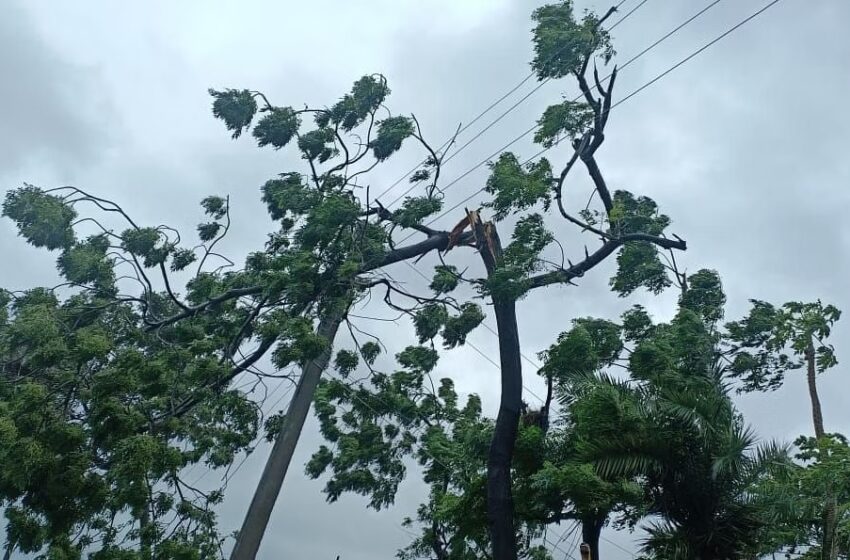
671 425
697 460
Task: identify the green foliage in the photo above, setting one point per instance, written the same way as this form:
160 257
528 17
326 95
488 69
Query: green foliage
638 265
562 43
277 127
214 206
520 258
429 320
446 278
146 243
515 188
367 94
636 215
415 209
182 258
370 351
391 133
346 361
79 462
235 107
208 231
434 318
44 220
457 327
704 295
374 429
299 343
587 348
636 324
420 176
104 401
567 119
288 196
638 262
318 145
274 424
771 341
87 263
794 496
673 421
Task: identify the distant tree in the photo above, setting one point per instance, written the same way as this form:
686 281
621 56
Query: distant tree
767 344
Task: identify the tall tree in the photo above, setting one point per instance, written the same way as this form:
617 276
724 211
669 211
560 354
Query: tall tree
771 341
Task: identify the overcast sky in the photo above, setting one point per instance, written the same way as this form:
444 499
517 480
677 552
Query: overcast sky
745 147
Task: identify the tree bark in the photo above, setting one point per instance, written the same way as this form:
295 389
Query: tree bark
590 533
817 412
828 517
500 503
145 541
268 489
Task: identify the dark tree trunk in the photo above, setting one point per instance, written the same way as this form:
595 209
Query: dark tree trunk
591 530
500 504
145 541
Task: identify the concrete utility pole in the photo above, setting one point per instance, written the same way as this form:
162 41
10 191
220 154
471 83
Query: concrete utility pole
268 489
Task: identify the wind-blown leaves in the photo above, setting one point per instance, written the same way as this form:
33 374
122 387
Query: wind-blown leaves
561 42
277 127
391 133
568 119
515 188
44 220
235 107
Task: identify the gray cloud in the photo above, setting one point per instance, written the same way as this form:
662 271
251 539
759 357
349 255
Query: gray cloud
49 108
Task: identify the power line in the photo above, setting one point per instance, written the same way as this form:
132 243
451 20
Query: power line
615 545
501 116
629 96
576 538
557 546
569 531
701 49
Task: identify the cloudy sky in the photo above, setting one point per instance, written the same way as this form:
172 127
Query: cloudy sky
744 147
